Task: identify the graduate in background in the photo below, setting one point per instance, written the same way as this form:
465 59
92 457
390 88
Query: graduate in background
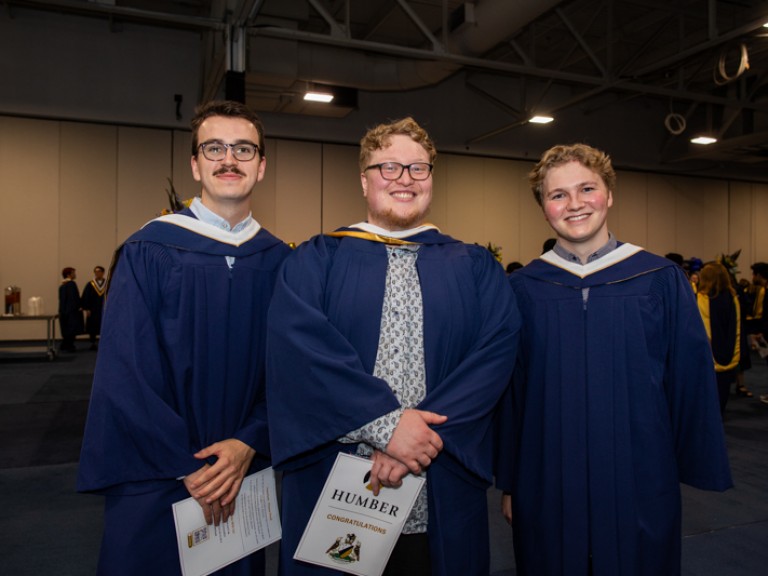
177 408
70 312
391 340
720 311
614 400
93 303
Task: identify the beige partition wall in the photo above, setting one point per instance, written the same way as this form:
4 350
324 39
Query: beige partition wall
29 208
702 217
464 199
343 202
87 197
143 167
749 226
298 170
181 168
628 218
759 210
485 200
71 192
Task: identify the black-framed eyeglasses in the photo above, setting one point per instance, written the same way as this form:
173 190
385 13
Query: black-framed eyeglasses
216 151
393 170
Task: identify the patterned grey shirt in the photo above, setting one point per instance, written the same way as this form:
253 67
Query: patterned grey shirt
399 361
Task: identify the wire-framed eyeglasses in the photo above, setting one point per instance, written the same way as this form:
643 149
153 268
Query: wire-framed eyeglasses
393 170
215 151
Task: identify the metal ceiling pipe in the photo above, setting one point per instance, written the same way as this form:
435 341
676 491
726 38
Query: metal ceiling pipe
345 62
110 10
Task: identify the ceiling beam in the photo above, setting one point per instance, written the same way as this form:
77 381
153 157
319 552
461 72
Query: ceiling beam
683 55
494 66
436 44
104 10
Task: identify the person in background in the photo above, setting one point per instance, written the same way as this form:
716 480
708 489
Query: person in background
390 340
70 312
512 266
757 319
694 278
676 258
719 308
613 401
177 408
93 303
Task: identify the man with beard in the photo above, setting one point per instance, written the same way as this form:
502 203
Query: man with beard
390 340
177 408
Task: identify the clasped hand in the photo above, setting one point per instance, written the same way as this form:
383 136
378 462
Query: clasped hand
215 487
412 448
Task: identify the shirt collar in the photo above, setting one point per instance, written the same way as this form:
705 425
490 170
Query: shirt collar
204 214
608 247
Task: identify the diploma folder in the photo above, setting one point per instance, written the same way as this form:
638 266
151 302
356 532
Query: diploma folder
351 530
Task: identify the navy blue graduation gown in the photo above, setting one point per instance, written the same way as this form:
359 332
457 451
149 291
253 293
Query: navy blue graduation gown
70 315
323 336
613 404
180 366
93 301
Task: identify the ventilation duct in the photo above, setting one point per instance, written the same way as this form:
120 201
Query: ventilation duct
282 61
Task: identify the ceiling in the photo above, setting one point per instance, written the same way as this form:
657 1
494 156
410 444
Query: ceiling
703 63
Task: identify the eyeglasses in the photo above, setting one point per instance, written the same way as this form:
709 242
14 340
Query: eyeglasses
216 151
393 170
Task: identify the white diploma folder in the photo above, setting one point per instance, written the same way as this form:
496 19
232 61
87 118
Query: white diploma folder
351 530
255 524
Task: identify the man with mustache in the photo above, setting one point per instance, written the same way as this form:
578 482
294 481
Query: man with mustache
177 408
391 340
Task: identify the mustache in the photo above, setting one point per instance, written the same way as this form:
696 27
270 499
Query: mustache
226 169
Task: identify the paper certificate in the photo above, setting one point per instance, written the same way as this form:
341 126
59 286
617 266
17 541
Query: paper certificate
352 530
255 524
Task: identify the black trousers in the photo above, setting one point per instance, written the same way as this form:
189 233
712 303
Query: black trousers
410 556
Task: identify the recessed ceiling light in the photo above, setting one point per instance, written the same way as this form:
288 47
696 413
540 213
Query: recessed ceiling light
703 140
541 119
318 97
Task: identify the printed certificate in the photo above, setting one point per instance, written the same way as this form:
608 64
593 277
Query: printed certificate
255 524
352 530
